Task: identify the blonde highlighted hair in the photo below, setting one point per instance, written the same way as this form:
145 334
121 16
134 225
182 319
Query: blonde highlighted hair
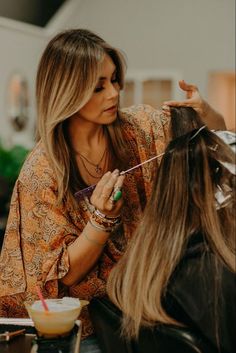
66 78
182 204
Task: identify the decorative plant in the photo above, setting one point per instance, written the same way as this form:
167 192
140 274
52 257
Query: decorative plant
11 161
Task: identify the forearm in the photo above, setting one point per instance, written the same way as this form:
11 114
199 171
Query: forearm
213 119
84 253
87 248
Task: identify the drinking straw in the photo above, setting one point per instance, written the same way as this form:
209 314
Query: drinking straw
43 301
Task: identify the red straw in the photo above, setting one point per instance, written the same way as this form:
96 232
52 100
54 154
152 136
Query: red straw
42 298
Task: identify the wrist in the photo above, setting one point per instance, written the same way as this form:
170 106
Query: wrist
104 221
213 119
94 240
99 227
204 109
95 234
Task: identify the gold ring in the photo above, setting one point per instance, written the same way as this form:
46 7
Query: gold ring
111 200
117 194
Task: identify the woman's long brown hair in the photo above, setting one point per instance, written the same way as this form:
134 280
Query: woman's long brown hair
182 203
67 75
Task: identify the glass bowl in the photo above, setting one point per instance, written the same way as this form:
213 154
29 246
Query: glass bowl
59 319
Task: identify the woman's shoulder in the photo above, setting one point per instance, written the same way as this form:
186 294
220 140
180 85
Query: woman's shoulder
141 113
199 266
193 294
146 122
36 168
146 119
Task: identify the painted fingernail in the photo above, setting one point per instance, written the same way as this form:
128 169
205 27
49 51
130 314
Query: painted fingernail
116 172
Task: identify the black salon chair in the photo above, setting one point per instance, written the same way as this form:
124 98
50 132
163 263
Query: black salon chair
161 339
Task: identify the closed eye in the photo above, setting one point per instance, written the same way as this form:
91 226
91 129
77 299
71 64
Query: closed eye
101 87
98 89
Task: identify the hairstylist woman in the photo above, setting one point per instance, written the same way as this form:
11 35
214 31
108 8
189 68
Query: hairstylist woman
68 246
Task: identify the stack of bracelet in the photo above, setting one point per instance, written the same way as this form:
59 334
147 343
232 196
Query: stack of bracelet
104 223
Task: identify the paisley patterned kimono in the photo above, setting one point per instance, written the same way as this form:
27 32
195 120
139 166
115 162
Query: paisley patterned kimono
39 231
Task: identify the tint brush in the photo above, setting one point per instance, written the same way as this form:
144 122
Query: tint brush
81 194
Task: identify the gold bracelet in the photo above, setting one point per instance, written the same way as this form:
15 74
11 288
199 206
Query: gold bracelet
105 222
102 215
100 228
93 240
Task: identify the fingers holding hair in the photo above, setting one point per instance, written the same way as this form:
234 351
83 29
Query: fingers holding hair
193 99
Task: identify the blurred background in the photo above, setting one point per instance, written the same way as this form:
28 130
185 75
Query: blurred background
164 41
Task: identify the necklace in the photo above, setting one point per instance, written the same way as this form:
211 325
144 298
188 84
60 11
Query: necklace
97 166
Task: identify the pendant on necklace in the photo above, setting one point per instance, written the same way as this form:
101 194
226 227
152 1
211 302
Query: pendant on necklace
98 169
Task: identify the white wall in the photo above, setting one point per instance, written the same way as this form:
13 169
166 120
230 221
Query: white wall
21 46
193 37
20 52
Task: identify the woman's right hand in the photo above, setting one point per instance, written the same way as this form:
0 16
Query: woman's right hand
102 196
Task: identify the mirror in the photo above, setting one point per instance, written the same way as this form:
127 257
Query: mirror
18 102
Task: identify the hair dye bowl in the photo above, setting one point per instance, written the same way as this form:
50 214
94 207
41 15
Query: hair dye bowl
59 319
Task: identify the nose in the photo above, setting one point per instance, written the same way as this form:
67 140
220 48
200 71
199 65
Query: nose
113 90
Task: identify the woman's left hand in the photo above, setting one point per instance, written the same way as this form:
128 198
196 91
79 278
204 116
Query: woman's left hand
193 99
212 118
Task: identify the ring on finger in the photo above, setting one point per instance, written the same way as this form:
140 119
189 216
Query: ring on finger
117 193
111 199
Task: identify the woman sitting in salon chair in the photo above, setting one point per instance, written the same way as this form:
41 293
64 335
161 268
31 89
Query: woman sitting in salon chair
175 285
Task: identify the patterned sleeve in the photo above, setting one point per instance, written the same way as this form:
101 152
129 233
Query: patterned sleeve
36 239
150 130
150 125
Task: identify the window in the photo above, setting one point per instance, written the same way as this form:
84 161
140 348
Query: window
221 93
150 87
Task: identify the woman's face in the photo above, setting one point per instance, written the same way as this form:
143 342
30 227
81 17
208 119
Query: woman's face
102 106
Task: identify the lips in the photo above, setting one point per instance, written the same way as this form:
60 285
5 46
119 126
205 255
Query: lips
111 109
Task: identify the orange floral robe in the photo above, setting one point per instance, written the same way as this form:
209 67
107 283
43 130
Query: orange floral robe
38 231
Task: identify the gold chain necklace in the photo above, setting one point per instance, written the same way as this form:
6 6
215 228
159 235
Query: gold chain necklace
98 169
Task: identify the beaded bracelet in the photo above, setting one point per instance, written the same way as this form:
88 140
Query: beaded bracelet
98 227
104 220
102 215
